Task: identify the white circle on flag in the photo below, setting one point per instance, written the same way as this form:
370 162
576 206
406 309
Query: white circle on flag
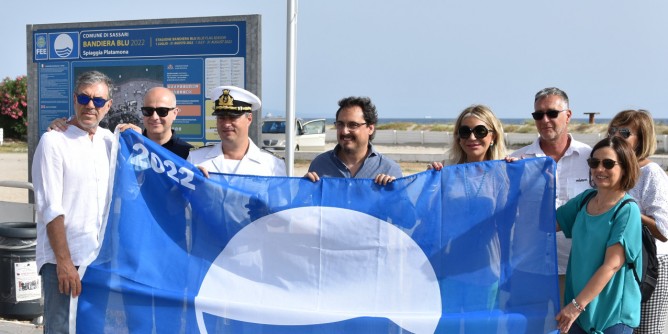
316 265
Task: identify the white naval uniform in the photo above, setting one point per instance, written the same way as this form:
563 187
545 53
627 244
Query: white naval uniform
255 162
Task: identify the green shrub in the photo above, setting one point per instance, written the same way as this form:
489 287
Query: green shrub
442 127
395 126
526 129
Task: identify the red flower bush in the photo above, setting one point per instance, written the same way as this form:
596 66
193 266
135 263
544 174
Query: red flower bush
14 107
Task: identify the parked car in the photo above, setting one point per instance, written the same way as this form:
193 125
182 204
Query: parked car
310 135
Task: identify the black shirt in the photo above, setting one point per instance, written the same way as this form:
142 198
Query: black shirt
176 145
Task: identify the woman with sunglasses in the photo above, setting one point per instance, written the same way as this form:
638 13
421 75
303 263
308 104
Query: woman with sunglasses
636 127
474 286
602 295
478 136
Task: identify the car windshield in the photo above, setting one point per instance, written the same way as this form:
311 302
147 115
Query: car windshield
273 127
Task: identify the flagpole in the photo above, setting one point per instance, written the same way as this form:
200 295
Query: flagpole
291 87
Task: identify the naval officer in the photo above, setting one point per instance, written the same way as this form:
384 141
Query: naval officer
236 153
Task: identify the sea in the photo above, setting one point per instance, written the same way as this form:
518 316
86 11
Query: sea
429 120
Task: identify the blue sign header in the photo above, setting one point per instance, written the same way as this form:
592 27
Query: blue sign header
144 42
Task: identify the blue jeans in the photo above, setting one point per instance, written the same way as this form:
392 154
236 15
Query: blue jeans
616 329
56 304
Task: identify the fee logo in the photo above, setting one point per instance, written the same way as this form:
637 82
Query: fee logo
41 47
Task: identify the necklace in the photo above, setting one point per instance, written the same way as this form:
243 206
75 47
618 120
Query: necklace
482 182
600 206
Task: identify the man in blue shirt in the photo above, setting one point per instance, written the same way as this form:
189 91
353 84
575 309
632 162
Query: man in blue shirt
354 156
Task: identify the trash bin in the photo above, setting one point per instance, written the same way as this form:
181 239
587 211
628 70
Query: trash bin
20 284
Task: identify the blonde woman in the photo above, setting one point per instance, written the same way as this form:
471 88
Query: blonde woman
478 136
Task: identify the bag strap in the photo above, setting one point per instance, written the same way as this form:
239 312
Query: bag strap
628 200
630 264
586 199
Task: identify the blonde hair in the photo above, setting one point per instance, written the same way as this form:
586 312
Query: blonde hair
497 149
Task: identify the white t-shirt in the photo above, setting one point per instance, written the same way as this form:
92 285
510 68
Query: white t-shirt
572 179
70 174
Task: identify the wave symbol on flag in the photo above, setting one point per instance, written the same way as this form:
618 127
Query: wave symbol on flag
317 265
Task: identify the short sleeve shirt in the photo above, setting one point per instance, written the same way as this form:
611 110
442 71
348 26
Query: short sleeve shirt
619 302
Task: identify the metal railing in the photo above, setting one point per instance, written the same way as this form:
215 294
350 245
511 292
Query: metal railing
17 212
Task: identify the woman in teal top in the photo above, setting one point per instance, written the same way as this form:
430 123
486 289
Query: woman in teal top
602 295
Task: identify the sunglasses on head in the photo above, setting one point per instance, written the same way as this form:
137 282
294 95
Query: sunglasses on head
624 132
162 111
551 113
98 102
607 163
479 132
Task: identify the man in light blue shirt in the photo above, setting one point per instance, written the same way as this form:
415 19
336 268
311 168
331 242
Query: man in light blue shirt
354 156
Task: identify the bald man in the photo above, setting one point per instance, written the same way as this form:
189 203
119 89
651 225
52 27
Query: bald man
159 113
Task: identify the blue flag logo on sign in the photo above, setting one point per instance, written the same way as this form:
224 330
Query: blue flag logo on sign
469 249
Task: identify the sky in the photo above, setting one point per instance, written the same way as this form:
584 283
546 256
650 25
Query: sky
423 58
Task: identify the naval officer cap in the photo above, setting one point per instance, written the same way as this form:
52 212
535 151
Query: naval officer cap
233 100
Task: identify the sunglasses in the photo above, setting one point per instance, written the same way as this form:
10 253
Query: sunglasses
551 113
479 131
98 102
162 111
624 132
607 163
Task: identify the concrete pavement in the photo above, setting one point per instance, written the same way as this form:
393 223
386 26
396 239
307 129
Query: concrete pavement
19 327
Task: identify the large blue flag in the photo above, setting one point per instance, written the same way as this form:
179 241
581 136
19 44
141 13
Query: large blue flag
469 249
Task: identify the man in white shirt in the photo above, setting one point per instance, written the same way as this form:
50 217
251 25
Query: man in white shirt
236 153
70 173
552 115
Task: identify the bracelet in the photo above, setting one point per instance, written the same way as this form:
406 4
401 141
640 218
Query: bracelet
577 306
